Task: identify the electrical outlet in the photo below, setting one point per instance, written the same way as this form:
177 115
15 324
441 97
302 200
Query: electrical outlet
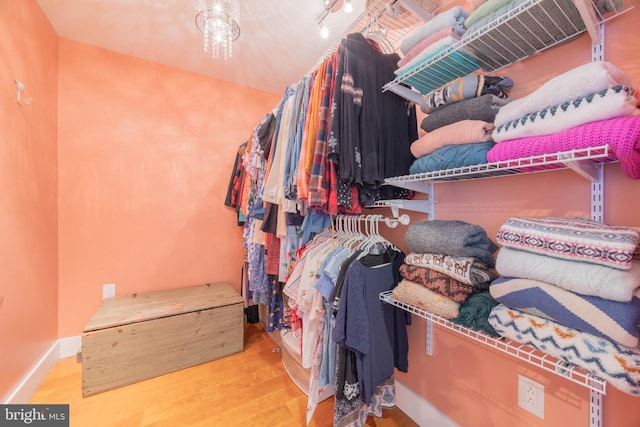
531 396
108 291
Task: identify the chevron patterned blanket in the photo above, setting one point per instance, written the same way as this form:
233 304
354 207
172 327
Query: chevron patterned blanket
617 364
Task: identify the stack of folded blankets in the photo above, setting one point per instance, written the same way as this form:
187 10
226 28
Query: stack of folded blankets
570 287
590 105
448 272
435 36
459 124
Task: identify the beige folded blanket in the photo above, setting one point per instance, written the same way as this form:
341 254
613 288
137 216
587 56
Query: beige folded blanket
462 132
418 296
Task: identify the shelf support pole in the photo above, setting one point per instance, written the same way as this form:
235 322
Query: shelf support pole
595 408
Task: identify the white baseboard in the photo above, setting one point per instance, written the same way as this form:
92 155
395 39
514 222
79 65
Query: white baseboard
25 390
70 346
30 383
419 409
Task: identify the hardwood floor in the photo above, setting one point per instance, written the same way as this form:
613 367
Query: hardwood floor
246 389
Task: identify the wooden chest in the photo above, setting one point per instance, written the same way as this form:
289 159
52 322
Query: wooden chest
135 337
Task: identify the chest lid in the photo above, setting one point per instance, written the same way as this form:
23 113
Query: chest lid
133 308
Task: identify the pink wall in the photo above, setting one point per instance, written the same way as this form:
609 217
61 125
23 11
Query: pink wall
477 386
145 156
28 190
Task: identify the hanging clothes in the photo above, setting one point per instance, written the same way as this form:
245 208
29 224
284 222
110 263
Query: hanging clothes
372 338
371 130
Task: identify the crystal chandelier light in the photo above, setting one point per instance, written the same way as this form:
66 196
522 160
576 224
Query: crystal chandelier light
218 21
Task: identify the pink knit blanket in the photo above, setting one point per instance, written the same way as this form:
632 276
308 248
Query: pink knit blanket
622 134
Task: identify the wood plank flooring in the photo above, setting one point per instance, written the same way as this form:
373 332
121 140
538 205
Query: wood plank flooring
250 388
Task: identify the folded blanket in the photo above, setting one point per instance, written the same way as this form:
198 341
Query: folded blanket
618 365
474 313
427 52
622 134
579 277
483 108
571 238
453 17
479 16
466 87
425 299
573 84
437 282
429 41
462 132
452 156
466 270
455 238
614 320
606 104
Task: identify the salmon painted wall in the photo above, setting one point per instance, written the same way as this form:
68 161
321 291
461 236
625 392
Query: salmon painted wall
477 386
145 156
28 191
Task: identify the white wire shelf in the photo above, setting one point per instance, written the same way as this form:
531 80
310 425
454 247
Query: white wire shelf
512 348
529 28
579 158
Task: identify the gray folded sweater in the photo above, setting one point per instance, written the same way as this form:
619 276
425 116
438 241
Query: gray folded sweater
455 238
483 108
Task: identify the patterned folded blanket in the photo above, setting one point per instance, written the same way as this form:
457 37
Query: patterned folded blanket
462 132
579 277
453 17
452 156
578 239
474 313
622 134
429 41
418 296
573 84
605 104
437 282
618 365
470 86
466 270
483 108
614 320
455 238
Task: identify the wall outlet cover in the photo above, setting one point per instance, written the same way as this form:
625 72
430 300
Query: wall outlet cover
531 396
109 291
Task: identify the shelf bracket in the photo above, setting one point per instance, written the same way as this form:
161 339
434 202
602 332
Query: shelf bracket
585 168
408 94
591 21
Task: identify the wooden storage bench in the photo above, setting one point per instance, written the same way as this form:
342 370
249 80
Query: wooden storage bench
135 337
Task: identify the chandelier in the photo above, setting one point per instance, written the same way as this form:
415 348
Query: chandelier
218 21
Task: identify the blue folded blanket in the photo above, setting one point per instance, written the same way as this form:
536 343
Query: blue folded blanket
452 156
614 320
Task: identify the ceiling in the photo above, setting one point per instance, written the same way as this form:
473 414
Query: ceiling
279 42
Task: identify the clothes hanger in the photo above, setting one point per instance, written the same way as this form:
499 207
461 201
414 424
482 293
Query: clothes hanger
377 35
